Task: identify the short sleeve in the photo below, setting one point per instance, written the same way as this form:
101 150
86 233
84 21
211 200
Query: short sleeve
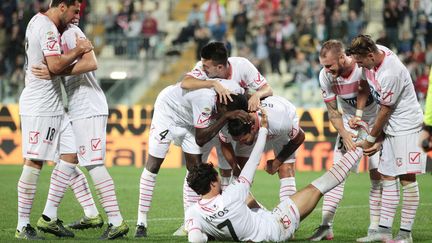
326 88
202 106
251 76
391 89
198 72
50 40
69 36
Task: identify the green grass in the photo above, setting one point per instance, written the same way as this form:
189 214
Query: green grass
166 214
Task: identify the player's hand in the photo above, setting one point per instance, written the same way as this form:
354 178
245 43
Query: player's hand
264 118
425 141
272 166
224 94
347 139
353 122
83 44
364 144
41 71
254 103
372 150
238 114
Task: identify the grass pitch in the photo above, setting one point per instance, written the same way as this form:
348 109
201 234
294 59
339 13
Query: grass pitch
166 214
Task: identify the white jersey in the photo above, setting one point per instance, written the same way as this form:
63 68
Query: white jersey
227 217
283 123
41 97
242 71
85 97
192 108
346 88
391 85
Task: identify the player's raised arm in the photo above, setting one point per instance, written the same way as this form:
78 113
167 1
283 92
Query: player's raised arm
249 169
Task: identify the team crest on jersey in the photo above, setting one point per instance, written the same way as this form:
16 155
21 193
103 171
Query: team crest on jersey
259 80
399 162
96 144
286 222
82 150
33 137
414 158
387 96
204 117
324 93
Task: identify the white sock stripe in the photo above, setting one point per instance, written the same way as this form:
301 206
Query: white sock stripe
26 188
66 184
60 174
146 185
30 185
105 186
100 183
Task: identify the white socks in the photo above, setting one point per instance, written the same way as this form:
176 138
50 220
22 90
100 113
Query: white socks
287 188
60 177
79 185
26 192
147 185
106 191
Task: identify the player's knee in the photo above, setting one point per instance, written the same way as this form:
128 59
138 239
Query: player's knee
407 179
71 158
37 164
153 164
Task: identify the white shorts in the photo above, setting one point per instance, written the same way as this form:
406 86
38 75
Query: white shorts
40 136
340 150
163 131
276 145
288 217
206 149
401 155
90 139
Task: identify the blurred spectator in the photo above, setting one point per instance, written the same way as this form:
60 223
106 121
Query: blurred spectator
195 20
261 49
418 53
429 54
356 6
354 25
405 43
383 39
422 83
288 28
240 25
421 29
149 31
133 34
8 7
392 16
17 78
3 34
218 30
338 28
300 68
321 32
109 21
213 12
202 37
275 44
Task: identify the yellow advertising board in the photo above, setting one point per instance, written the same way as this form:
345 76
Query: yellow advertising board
127 139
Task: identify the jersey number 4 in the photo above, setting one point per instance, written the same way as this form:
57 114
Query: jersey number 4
228 224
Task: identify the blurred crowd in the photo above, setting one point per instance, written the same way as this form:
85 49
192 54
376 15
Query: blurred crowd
281 37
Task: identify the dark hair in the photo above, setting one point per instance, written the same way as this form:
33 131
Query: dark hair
55 3
236 127
362 45
239 102
215 51
200 178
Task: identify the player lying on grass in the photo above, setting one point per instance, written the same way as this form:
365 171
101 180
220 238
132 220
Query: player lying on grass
227 217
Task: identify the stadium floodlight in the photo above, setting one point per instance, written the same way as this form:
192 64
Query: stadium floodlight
118 75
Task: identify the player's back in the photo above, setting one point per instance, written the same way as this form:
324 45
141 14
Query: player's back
227 217
40 97
85 96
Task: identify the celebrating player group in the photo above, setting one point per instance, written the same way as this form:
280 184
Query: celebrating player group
226 103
